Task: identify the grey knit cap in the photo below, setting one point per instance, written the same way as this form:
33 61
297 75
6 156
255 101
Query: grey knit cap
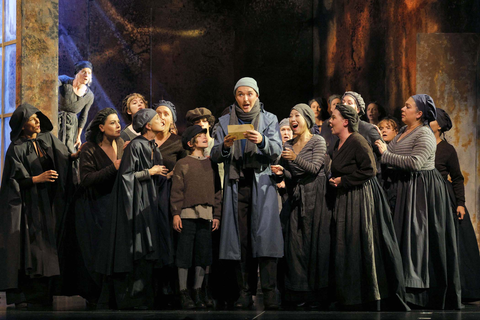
246 82
358 99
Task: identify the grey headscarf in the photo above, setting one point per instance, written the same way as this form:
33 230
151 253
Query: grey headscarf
350 114
169 105
358 99
425 104
284 123
307 113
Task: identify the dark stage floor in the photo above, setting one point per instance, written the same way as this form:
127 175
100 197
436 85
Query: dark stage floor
74 308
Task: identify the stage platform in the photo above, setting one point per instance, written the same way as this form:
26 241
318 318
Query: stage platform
74 308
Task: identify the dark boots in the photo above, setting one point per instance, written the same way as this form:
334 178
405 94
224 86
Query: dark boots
186 301
198 298
247 283
268 279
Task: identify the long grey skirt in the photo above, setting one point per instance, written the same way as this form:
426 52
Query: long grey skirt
425 227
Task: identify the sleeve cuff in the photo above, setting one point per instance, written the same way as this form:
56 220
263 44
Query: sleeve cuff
261 145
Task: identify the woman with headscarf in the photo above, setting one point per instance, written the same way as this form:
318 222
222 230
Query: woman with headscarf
305 215
367 258
446 162
75 97
34 194
168 141
424 221
320 109
171 148
99 162
130 105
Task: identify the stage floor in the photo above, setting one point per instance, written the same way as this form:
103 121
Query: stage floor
74 308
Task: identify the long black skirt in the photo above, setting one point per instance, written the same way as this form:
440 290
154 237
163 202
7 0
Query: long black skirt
469 255
367 258
425 228
307 243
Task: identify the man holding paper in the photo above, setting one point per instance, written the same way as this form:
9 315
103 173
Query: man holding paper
248 140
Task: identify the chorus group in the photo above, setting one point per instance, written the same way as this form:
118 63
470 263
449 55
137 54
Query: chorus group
337 207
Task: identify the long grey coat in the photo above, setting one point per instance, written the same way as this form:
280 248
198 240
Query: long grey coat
266 231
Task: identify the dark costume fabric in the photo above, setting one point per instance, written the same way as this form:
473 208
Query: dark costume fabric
128 134
306 221
371 134
367 257
424 221
91 206
330 138
446 162
31 215
172 151
69 105
136 232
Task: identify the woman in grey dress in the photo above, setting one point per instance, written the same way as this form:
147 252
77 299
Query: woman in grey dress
75 97
305 214
422 214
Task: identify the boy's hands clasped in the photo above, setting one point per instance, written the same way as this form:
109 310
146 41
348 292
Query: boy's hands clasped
177 224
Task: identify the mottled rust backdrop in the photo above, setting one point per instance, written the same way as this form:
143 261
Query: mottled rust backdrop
193 51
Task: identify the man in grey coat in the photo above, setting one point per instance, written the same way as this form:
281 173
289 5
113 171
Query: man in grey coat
250 232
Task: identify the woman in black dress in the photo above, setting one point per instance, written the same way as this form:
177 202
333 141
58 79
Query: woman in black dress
305 214
422 213
367 259
99 162
34 195
446 162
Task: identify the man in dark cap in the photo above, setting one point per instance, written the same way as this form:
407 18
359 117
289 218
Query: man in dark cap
251 231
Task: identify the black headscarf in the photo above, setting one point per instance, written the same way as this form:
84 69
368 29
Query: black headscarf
350 114
425 104
21 116
443 120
